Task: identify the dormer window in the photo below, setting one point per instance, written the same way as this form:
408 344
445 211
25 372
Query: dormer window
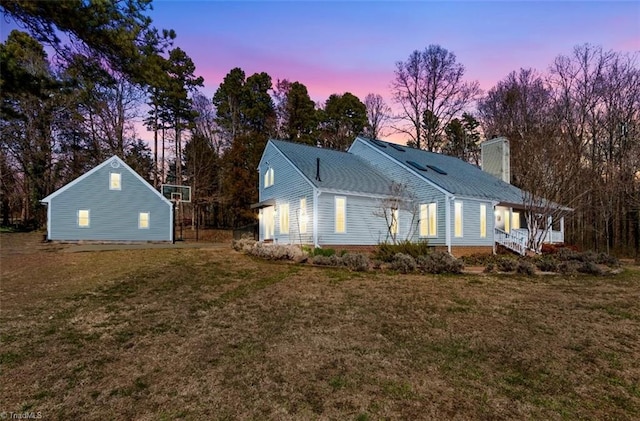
115 181
268 177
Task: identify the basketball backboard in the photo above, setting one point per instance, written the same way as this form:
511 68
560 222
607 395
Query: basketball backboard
176 193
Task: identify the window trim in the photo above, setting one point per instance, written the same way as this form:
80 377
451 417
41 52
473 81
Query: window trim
303 216
269 177
458 219
282 220
111 181
343 209
429 220
483 220
140 220
88 217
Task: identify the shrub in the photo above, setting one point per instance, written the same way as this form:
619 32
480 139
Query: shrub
356 261
322 252
403 263
322 260
568 267
566 254
607 259
590 268
507 264
386 251
244 244
277 252
490 268
547 264
439 262
525 267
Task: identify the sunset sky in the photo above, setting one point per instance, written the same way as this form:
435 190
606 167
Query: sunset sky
339 46
352 46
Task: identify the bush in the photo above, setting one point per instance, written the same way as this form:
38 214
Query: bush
490 268
403 263
277 252
244 244
547 264
506 264
356 261
607 259
590 268
322 252
525 267
568 267
322 260
566 254
439 262
386 251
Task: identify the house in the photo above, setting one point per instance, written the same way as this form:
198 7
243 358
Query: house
111 202
379 190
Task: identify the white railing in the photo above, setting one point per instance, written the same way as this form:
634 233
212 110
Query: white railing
515 240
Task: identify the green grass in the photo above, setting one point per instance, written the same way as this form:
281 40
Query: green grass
213 334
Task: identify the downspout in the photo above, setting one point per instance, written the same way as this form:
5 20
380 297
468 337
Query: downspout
316 198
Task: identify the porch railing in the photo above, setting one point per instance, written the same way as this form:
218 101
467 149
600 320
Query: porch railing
515 240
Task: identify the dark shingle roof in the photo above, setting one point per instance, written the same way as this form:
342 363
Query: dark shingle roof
338 170
461 178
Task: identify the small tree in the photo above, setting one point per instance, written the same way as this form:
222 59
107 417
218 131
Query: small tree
399 199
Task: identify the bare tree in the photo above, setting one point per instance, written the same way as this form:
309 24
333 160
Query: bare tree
378 113
400 199
430 85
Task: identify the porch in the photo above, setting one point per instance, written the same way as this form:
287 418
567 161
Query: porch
511 230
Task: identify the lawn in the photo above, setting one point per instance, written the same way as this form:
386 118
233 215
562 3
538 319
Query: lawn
210 333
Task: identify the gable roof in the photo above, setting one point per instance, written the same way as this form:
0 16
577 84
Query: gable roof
339 171
117 163
449 173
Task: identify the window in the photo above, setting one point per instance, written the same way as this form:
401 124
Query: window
284 218
115 181
341 215
515 220
457 227
83 218
143 220
303 215
507 221
268 177
393 228
269 222
483 221
428 220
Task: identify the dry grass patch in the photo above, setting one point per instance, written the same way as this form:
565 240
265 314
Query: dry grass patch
215 334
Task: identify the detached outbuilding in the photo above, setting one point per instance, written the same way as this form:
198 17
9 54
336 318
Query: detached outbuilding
111 202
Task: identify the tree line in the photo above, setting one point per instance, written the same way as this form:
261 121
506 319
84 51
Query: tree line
573 129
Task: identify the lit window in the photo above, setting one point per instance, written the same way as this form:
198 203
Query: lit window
303 215
115 181
428 220
341 215
143 220
507 220
393 228
269 222
83 218
457 229
284 218
515 220
268 178
483 221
